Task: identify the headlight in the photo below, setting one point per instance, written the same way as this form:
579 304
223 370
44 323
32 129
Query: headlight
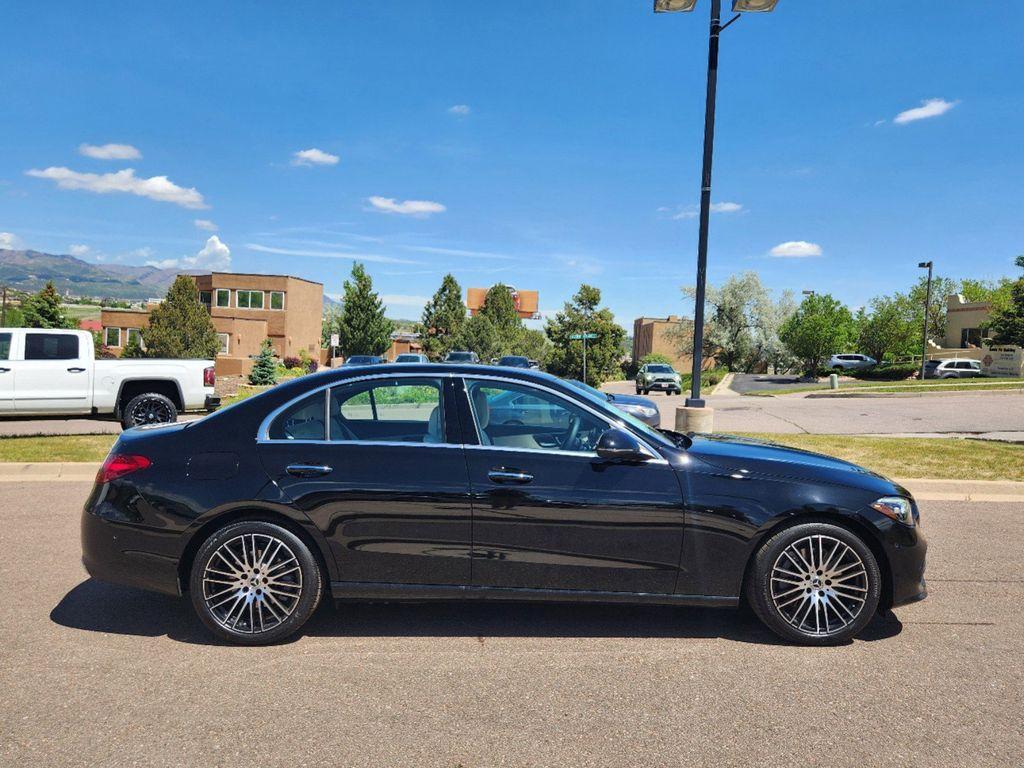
897 508
640 410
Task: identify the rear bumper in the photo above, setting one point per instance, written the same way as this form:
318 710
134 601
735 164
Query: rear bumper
212 402
118 553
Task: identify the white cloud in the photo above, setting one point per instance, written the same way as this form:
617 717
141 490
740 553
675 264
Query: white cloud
369 257
457 252
206 224
796 249
459 109
404 300
314 156
928 108
215 256
109 151
158 188
8 240
78 249
418 208
693 211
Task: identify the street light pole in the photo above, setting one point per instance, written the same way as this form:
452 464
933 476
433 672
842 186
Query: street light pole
695 400
927 304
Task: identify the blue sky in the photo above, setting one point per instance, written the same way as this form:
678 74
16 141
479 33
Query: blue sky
537 143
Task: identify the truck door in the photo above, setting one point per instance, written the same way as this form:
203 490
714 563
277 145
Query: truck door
6 374
53 375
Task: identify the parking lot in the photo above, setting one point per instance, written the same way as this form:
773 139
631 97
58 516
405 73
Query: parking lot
99 675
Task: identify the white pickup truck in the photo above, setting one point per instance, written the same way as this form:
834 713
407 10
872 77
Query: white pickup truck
49 372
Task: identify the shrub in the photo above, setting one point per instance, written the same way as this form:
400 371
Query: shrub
264 370
885 373
292 362
312 366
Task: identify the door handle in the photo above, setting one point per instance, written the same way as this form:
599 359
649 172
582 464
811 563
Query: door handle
5 370
308 470
510 476
76 370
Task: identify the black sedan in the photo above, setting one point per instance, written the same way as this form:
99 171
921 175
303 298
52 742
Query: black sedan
395 483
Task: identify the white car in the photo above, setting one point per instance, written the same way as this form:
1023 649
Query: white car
50 372
851 362
952 369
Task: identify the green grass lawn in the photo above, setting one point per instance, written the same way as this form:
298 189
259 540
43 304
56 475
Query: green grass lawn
909 385
892 456
81 311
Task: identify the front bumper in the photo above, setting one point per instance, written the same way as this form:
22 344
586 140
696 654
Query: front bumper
906 549
663 385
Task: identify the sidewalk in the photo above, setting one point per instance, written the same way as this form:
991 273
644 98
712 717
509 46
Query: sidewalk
923 489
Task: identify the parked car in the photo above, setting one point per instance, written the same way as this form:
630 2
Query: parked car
952 369
640 407
397 483
50 372
658 376
461 357
514 361
411 357
851 362
535 365
362 360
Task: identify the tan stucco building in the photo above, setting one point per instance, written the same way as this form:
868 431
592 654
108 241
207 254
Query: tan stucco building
965 338
245 309
659 335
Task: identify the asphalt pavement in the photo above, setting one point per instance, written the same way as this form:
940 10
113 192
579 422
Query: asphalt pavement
101 675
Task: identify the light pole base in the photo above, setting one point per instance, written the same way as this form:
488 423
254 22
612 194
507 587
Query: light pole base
690 419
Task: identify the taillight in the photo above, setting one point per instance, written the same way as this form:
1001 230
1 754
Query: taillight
120 464
209 377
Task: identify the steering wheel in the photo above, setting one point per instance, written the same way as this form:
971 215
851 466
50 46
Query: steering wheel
571 433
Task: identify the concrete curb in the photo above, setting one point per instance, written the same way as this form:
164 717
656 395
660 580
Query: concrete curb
853 393
68 471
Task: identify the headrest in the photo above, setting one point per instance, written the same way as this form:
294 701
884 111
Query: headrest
482 409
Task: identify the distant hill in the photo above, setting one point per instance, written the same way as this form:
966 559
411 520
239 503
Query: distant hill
30 270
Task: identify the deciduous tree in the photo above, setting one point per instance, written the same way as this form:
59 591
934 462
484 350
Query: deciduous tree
819 328
582 315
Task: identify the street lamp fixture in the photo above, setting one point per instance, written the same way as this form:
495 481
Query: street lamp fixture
927 303
808 293
738 6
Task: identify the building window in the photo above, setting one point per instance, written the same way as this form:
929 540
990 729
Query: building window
204 298
223 297
225 343
134 334
112 337
249 299
277 299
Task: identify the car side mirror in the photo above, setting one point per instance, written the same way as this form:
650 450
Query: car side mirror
619 445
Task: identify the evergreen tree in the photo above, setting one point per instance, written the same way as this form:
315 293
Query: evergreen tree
363 328
582 315
479 335
43 310
1007 324
500 308
443 318
180 327
133 348
264 368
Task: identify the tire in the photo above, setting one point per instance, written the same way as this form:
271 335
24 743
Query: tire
226 575
638 390
848 605
148 408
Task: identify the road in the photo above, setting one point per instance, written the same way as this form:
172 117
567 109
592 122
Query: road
947 412
100 675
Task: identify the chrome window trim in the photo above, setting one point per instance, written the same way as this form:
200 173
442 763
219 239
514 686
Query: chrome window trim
263 433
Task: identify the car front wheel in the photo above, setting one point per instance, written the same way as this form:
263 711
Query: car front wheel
254 582
815 584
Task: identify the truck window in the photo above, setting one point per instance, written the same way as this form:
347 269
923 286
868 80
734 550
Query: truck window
5 346
51 346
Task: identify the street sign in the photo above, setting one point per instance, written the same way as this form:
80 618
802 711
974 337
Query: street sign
578 336
334 340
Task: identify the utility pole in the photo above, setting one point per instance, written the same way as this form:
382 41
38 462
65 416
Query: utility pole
3 311
927 304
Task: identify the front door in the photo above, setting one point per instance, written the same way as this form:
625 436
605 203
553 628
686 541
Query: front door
548 513
377 465
52 374
6 374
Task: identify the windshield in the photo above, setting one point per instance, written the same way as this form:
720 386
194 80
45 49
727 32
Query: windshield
513 361
360 359
659 369
601 398
407 359
460 356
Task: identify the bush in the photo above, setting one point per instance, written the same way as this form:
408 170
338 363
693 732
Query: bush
885 373
312 366
292 362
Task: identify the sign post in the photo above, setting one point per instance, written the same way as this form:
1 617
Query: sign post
584 337
334 347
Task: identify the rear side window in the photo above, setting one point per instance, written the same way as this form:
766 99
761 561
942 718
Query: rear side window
388 410
303 420
51 346
5 346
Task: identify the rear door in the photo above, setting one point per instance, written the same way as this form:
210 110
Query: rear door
378 465
52 374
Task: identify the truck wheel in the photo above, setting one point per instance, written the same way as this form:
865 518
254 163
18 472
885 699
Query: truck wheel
148 408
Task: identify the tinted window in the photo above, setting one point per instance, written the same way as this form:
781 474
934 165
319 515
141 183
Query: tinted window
659 369
388 410
303 420
518 416
5 346
460 357
514 361
51 346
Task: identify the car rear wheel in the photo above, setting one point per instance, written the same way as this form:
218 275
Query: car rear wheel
815 584
254 582
148 408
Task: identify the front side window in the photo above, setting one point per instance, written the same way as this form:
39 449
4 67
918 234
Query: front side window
277 299
249 299
52 346
112 337
303 420
406 410
512 415
223 297
5 346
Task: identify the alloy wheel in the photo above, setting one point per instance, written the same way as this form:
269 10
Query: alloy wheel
252 583
819 585
150 410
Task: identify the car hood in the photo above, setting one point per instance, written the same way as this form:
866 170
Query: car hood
646 402
757 457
